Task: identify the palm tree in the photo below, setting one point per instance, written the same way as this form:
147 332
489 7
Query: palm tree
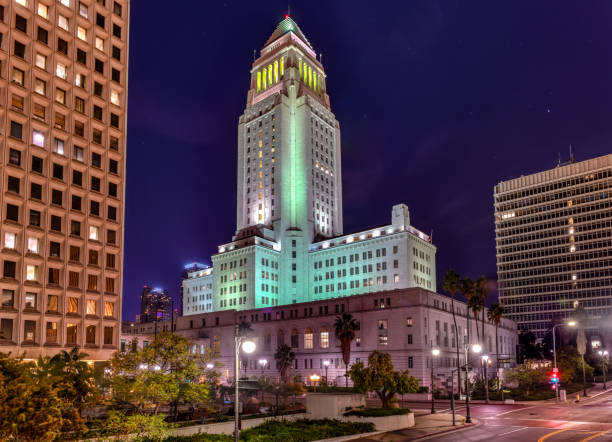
345 327
467 289
284 357
495 314
451 284
483 292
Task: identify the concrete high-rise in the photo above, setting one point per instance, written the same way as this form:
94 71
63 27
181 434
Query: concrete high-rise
63 113
554 243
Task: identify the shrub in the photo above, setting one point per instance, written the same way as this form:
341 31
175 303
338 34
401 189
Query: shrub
377 412
304 430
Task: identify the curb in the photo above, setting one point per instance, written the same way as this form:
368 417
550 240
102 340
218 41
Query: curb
351 437
475 423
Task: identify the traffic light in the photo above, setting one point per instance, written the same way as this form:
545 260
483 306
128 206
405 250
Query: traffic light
554 377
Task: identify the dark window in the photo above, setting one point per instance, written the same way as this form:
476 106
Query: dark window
112 189
99 66
35 191
13 184
54 249
116 53
60 121
53 276
79 104
94 208
58 171
12 212
15 157
1 12
116 75
97 112
117 8
21 23
62 46
16 130
111 237
77 178
97 136
9 269
114 120
56 223
76 202
75 228
97 89
34 218
42 35
19 49
81 56
96 160
56 197
114 143
108 335
112 213
116 30
37 164
79 128
113 166
95 183
100 20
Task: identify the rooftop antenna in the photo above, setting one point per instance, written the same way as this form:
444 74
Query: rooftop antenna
559 160
571 158
254 54
288 11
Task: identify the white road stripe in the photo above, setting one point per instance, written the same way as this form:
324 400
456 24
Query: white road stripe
512 411
513 431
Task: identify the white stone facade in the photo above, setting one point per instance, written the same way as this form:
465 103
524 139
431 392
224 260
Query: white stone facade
197 291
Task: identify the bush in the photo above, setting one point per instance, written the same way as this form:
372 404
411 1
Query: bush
377 412
331 389
200 437
304 430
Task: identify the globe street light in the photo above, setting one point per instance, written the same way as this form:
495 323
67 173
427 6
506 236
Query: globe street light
604 355
326 363
262 364
485 361
247 346
570 323
435 352
476 348
210 366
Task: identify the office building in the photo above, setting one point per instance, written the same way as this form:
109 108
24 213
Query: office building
63 72
197 290
155 305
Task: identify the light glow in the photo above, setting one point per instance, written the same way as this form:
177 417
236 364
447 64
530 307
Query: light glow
248 347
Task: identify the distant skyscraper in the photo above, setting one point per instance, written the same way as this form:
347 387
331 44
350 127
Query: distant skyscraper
155 303
554 243
289 244
64 82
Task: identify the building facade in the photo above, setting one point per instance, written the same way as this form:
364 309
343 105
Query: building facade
289 246
197 290
63 72
155 304
554 243
406 323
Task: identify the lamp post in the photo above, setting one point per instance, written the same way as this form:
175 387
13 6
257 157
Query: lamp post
262 364
248 346
435 352
485 361
476 348
570 324
326 364
604 355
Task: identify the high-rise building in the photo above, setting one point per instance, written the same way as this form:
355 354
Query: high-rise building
289 244
554 243
63 68
155 305
197 290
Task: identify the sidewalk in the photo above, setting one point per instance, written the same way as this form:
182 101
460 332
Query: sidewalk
425 425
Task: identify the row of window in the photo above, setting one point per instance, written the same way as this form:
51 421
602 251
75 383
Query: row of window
52 334
31 302
54 277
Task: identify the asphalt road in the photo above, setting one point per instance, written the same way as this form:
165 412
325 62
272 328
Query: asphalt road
589 420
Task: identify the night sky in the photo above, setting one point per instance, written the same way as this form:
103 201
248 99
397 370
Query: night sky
437 102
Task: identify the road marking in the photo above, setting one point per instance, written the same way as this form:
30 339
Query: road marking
512 411
601 433
513 431
546 436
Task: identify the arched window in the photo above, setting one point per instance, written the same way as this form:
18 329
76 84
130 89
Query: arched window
270 75
280 337
294 338
276 71
305 69
308 338
267 342
265 78
258 81
282 66
324 338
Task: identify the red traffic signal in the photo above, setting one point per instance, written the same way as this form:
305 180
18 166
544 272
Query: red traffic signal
554 377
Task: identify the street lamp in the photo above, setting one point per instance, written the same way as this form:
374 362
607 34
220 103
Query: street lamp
314 378
570 323
326 363
476 348
435 352
247 346
210 366
262 364
604 355
485 361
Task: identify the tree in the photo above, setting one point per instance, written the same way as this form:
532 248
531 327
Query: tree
380 378
467 290
483 288
475 305
345 327
451 284
284 357
528 378
75 376
529 349
569 362
495 314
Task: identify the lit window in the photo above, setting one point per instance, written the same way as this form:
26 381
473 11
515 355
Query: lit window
82 33
100 44
62 22
79 80
91 306
41 61
33 245
43 10
65 2
58 146
114 97
324 340
61 70
38 139
40 87
93 232
31 272
396 278
308 338
22 2
83 10
9 240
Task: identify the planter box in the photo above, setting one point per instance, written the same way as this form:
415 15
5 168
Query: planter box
386 423
332 405
228 427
